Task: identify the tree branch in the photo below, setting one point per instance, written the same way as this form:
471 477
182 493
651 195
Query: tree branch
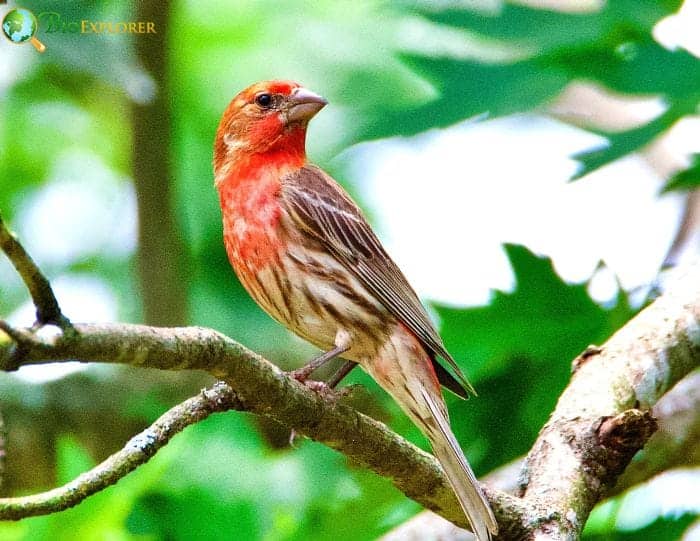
47 309
677 441
603 417
600 421
136 452
675 444
570 466
261 388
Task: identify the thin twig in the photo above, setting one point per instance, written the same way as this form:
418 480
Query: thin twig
47 308
136 452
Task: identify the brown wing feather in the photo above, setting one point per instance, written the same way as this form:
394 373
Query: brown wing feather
323 210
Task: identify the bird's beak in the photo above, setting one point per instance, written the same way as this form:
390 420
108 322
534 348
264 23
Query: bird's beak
304 104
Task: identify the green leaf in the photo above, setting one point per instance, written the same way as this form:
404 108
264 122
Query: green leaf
545 30
531 321
687 179
537 29
466 88
518 352
613 46
639 66
623 143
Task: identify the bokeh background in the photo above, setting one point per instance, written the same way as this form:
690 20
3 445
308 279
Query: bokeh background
531 165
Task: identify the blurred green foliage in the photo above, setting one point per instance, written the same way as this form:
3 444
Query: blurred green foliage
545 51
222 478
659 530
686 180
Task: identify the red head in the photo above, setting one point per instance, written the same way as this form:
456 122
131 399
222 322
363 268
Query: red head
269 117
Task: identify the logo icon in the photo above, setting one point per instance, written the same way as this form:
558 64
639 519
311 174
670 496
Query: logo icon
19 26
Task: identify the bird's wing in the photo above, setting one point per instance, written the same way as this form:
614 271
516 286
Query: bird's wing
322 209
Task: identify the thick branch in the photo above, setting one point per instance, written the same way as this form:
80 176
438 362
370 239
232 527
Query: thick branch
677 441
264 389
569 469
675 444
136 452
47 309
602 419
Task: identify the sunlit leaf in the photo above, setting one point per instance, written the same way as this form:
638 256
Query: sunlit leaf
687 179
623 143
518 352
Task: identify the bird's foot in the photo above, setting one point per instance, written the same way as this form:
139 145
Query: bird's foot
322 389
301 374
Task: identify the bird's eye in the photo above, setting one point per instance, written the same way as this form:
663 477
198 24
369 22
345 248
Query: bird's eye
263 100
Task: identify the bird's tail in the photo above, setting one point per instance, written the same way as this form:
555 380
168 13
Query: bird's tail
458 471
405 370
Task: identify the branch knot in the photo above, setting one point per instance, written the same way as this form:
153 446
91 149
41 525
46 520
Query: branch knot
627 431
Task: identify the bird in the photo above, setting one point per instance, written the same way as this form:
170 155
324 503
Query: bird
305 252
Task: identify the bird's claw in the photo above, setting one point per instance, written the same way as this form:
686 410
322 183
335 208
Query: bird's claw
321 388
300 374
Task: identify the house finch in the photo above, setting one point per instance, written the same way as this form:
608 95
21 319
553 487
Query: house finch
305 252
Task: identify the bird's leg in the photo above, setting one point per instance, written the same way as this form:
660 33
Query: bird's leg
342 344
321 387
340 374
303 373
